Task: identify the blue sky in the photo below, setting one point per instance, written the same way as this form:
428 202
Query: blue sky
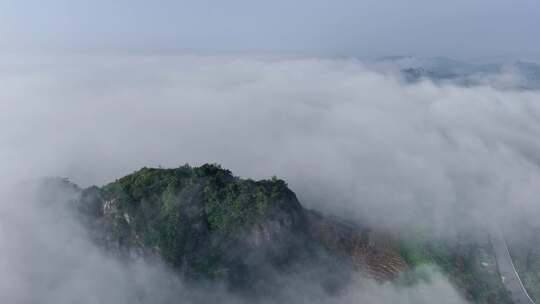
369 28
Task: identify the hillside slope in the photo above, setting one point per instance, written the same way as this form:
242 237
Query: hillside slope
209 224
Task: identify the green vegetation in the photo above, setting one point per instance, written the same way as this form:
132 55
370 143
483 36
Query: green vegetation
189 214
230 205
460 260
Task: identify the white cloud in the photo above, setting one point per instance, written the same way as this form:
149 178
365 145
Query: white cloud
338 133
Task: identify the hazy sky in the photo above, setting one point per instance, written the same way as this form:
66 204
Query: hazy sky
467 29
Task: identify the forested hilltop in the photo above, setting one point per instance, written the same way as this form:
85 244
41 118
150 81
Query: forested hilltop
210 225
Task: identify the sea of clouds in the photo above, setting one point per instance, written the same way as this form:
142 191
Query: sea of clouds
348 140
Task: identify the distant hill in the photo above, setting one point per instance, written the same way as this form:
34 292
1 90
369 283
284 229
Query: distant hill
518 74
